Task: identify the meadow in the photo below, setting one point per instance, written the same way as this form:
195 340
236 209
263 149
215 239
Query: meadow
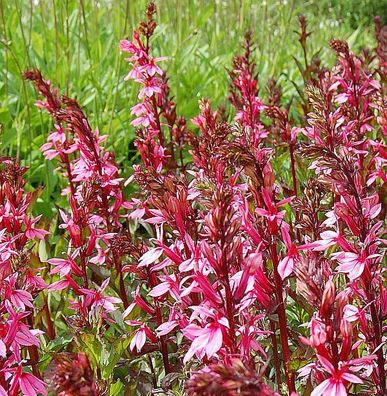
75 44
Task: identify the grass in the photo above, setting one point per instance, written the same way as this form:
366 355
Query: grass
75 44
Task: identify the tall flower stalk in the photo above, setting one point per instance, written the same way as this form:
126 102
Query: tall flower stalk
20 285
340 145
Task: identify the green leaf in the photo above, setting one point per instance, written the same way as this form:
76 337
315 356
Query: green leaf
59 344
93 348
116 388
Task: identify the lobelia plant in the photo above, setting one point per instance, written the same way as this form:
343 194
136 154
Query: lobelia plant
349 163
96 236
219 144
20 283
239 271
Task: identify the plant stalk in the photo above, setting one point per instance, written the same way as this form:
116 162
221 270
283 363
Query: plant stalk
282 320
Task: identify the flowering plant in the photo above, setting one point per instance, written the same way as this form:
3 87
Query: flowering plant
231 269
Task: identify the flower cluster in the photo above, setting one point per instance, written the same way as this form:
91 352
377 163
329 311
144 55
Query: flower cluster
95 197
346 333
231 379
234 264
227 243
20 283
156 112
70 375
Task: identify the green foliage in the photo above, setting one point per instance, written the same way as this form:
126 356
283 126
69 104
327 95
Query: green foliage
75 43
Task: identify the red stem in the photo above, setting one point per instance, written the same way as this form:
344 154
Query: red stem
84 269
122 293
50 324
228 294
117 263
277 364
378 342
230 312
160 134
3 382
293 168
282 320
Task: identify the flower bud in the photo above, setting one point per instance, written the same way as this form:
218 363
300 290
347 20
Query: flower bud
328 298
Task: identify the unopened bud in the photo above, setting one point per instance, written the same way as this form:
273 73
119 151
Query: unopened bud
340 46
328 298
346 328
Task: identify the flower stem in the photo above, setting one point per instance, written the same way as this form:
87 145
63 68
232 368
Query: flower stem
159 321
282 319
378 343
277 365
50 324
293 168
123 294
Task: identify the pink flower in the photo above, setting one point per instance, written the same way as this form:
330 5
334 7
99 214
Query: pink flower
207 289
65 267
286 265
353 263
32 232
206 341
351 313
371 207
328 238
19 298
247 221
335 385
26 382
73 228
149 90
18 334
166 328
271 211
140 335
150 256
138 339
63 284
318 334
96 299
138 301
170 285
3 349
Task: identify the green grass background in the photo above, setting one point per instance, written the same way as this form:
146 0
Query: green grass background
75 44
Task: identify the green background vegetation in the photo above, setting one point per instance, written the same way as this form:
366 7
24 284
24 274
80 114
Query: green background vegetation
75 44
